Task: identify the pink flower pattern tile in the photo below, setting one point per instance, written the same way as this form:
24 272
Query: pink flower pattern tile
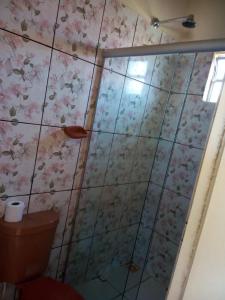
146 34
23 72
131 107
196 119
117 31
53 263
141 68
172 116
110 208
154 112
172 215
183 169
161 258
200 73
97 159
56 161
151 205
86 213
143 159
121 159
183 69
124 245
78 27
34 19
102 253
164 71
18 146
108 101
68 91
77 263
57 201
132 207
161 161
72 209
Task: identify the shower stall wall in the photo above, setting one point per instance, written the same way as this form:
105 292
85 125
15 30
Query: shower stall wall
149 134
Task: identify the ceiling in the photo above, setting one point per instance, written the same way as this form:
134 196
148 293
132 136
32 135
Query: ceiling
209 15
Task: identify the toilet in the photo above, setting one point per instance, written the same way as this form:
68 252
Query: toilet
24 254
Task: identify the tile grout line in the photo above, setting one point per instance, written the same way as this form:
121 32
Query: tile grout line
164 181
105 174
77 163
43 106
146 193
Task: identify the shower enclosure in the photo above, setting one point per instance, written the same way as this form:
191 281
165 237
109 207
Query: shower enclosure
153 114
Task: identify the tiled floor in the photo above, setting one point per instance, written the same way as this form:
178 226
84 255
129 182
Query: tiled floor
111 286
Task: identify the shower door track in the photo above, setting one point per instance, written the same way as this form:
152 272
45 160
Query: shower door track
182 47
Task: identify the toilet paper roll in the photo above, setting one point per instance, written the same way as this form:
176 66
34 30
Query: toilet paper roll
14 211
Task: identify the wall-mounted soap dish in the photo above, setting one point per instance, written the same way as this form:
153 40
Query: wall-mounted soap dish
75 132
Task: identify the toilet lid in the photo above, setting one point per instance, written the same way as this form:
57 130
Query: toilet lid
47 289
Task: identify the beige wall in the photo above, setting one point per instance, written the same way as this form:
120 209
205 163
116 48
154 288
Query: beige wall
209 15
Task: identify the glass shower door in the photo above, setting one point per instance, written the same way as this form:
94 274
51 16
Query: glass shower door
146 144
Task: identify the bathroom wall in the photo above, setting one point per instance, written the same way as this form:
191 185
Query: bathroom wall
49 77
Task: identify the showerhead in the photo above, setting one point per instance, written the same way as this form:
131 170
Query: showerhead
188 21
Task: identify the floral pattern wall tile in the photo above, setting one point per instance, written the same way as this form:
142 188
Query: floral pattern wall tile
183 69
183 169
146 34
23 72
102 253
4 201
108 101
154 112
78 27
133 203
132 107
33 19
163 71
161 161
195 121
72 210
161 257
143 159
121 158
141 68
87 211
141 246
18 146
77 264
151 205
56 161
59 201
97 159
68 90
117 31
172 215
172 116
200 73
125 244
110 209
53 263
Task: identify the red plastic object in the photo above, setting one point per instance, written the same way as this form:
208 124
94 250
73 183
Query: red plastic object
46 288
75 132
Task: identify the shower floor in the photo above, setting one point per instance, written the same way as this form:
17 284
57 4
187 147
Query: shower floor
110 286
